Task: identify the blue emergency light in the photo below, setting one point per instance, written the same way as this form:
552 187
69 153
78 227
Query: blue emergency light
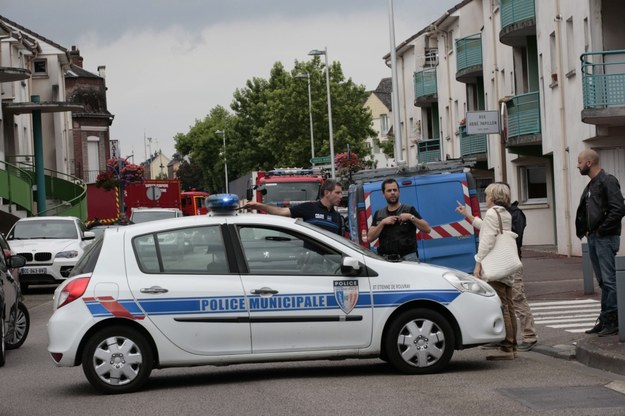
222 204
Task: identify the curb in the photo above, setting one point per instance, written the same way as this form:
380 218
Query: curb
564 352
592 354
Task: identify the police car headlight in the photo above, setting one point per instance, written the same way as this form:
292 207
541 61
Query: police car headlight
464 282
66 254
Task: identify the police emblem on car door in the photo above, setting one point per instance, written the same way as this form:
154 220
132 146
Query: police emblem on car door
346 294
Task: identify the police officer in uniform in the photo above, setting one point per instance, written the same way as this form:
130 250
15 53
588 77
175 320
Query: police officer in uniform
396 226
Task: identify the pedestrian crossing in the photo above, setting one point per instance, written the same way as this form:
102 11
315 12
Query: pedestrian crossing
573 316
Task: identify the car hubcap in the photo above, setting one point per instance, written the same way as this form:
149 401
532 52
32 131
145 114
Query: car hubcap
17 328
421 343
117 360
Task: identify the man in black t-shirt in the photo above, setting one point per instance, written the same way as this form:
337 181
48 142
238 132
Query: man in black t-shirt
396 226
321 213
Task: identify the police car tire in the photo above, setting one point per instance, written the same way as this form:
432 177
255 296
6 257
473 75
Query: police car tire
139 346
21 326
442 344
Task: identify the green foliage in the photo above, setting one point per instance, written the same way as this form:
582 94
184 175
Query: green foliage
270 126
191 176
388 146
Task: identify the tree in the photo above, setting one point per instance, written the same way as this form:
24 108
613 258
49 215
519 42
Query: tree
191 176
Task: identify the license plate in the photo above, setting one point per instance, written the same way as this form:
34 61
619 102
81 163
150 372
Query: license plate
33 270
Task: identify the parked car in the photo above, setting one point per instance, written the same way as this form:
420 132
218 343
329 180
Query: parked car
14 318
257 288
139 215
51 246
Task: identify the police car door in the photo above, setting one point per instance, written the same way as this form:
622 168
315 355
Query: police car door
298 298
183 283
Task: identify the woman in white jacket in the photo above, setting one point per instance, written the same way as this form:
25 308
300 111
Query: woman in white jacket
497 201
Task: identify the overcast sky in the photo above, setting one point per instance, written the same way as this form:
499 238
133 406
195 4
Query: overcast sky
169 62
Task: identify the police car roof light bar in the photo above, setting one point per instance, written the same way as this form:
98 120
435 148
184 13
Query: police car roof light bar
222 204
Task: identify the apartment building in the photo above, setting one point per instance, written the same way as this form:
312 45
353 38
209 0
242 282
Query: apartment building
521 59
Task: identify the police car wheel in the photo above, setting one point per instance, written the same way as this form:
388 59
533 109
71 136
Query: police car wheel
419 341
117 360
19 327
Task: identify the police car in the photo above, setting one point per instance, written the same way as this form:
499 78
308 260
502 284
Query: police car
257 288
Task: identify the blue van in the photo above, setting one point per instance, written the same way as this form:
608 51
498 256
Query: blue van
433 192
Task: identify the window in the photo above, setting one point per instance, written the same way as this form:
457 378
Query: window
481 184
554 58
197 250
271 251
570 47
383 124
40 67
533 184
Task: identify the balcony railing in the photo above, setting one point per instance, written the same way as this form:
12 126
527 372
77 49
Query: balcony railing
468 52
603 79
524 115
474 144
514 11
425 82
429 150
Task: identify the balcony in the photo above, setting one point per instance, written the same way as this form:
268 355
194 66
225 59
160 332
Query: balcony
429 150
472 145
469 58
603 84
518 21
425 90
524 120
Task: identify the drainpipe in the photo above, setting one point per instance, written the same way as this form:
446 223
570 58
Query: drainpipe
564 147
502 144
450 120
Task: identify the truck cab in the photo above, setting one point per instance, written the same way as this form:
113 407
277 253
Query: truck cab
287 187
433 191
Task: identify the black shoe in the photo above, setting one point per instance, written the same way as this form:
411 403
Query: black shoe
608 330
595 329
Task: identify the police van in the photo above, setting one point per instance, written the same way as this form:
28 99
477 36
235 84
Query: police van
433 189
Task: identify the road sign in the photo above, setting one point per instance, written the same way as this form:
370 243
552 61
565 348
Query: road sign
320 160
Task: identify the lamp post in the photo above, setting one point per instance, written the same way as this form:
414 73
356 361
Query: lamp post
312 140
399 160
223 133
324 52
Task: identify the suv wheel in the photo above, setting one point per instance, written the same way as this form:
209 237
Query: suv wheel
2 334
117 360
419 341
19 326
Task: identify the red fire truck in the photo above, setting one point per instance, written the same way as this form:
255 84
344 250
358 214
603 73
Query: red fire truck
194 202
286 187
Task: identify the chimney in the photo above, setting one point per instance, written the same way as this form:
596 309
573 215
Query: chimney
101 71
75 57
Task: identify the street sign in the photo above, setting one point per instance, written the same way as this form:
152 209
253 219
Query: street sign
320 160
482 122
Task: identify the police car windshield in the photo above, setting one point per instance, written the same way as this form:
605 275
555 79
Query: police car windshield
290 191
340 239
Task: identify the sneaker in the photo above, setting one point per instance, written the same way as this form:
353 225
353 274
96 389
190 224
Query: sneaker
526 346
595 329
491 346
608 330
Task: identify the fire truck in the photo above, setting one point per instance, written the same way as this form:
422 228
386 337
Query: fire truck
194 202
286 186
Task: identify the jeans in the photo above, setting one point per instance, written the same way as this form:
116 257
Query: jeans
602 252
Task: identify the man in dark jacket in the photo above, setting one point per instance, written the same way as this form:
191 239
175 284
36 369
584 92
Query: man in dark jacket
598 218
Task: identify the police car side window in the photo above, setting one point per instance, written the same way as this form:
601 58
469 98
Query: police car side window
196 250
280 252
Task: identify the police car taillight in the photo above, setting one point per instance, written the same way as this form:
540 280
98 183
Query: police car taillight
73 290
362 228
223 204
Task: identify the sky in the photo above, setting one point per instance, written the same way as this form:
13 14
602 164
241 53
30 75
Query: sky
169 62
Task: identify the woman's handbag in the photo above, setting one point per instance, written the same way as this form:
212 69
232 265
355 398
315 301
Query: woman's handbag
502 261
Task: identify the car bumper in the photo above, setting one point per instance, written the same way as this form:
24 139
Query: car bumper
66 328
33 273
480 318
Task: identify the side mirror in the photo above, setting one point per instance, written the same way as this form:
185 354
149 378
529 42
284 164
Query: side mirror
249 194
15 262
350 266
88 235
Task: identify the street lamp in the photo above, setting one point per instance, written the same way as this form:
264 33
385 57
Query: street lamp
324 52
312 140
223 133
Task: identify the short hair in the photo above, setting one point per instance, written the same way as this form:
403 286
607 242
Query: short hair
329 186
590 155
499 193
388 181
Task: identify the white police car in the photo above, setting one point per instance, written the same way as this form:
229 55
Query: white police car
257 288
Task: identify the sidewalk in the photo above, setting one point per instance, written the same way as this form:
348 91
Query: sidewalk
548 275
